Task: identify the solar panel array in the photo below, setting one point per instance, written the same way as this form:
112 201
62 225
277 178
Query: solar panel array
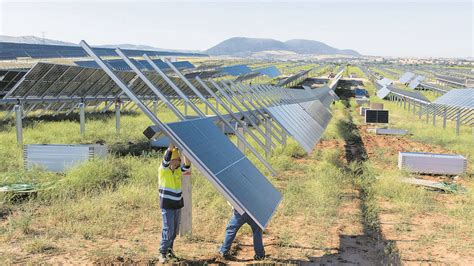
452 80
247 76
301 74
119 64
457 102
385 91
303 113
48 83
11 51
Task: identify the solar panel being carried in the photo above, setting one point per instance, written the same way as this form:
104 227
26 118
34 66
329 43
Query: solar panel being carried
231 171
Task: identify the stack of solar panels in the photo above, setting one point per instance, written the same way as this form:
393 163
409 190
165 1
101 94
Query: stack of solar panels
58 158
431 163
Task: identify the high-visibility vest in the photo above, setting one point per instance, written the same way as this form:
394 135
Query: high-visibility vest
170 190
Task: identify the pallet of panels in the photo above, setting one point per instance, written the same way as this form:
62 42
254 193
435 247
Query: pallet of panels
431 163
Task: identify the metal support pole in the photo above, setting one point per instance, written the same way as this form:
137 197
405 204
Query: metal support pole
420 112
404 104
427 115
82 118
434 118
19 125
240 143
186 221
445 113
268 138
409 105
186 108
155 107
117 117
458 122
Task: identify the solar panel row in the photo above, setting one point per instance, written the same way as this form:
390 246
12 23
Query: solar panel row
119 64
9 51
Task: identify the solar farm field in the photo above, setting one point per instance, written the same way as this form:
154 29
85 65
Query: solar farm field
342 195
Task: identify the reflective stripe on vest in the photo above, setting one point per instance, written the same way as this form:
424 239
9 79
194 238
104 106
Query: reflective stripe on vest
170 188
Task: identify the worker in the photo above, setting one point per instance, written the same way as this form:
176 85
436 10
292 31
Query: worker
236 221
171 199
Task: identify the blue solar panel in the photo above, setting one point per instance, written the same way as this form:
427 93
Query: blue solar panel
270 71
119 64
360 92
233 172
15 50
236 70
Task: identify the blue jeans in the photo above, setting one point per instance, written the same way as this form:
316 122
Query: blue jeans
170 219
233 227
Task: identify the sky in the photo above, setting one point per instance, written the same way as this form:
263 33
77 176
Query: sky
419 28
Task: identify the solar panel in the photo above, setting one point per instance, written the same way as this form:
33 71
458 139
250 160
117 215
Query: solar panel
8 79
270 71
409 94
247 76
406 77
384 82
119 64
230 168
294 77
55 82
376 116
298 123
463 98
318 112
383 92
416 81
235 70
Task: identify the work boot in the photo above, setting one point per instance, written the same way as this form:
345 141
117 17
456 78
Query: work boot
171 256
162 258
223 256
258 258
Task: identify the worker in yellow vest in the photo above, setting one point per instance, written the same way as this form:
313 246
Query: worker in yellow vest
171 199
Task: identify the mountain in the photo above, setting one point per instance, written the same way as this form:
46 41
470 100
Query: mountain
144 47
246 46
32 40
315 47
237 46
